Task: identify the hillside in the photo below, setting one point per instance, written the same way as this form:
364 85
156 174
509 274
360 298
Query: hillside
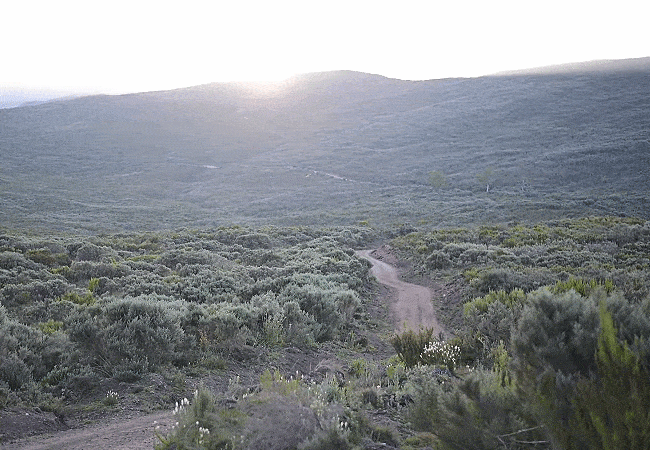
340 260
334 148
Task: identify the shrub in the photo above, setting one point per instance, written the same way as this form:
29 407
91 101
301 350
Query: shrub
112 398
557 331
410 345
83 271
613 410
254 241
175 259
85 299
35 291
438 260
442 353
494 280
201 426
26 353
325 303
11 260
478 412
14 371
553 349
51 326
92 252
582 287
479 305
122 335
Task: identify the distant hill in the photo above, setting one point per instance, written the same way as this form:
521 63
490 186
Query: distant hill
12 97
641 65
334 148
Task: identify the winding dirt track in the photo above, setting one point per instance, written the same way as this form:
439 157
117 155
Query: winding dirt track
411 308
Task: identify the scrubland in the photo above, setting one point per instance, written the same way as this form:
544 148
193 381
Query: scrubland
547 342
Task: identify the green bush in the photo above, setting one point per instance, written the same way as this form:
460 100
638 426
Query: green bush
478 412
26 353
506 279
612 410
200 426
128 334
582 287
51 326
558 331
410 345
555 359
85 299
479 305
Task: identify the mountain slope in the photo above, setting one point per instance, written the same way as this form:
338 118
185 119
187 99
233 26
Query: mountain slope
333 148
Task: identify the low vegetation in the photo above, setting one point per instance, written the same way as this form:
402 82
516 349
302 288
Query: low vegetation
555 335
547 343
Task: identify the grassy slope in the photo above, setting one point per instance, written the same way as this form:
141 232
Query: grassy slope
333 148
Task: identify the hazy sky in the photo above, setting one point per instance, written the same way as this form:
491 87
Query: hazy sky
121 46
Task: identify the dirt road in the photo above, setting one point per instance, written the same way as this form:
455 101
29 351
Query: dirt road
411 306
119 434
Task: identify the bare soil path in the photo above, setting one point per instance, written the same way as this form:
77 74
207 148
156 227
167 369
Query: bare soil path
118 434
411 307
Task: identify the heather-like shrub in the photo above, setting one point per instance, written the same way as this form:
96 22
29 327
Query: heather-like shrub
326 302
558 331
479 305
612 411
35 291
254 241
207 286
12 260
485 330
493 280
175 259
410 345
46 257
200 425
89 252
581 286
438 260
14 371
84 271
28 353
477 412
142 332
555 358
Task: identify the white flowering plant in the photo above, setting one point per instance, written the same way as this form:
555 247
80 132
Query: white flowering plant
112 398
441 353
194 421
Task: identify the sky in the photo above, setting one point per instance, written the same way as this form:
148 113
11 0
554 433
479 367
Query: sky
133 46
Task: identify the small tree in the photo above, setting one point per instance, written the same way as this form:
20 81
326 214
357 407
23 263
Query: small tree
438 179
486 178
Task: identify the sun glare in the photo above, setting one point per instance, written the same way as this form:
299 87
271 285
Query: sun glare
69 45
